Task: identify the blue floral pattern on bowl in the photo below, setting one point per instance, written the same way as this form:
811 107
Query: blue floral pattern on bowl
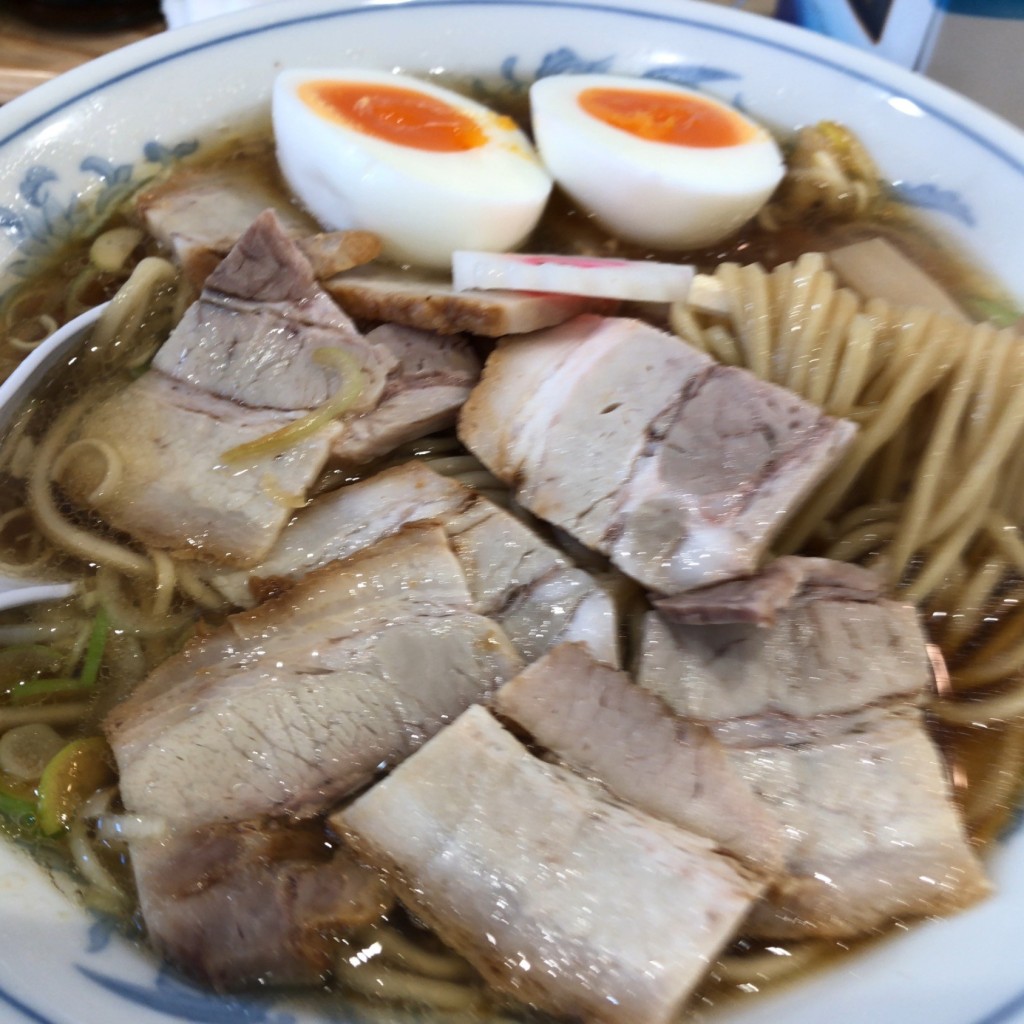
171 996
45 224
928 196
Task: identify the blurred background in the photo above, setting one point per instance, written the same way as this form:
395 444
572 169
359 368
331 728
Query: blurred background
973 46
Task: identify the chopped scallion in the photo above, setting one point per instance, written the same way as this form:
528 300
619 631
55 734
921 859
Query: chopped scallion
94 650
57 686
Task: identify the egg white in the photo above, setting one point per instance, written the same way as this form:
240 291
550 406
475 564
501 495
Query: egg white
656 194
423 204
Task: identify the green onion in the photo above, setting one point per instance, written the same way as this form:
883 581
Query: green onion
94 650
86 678
1001 313
48 687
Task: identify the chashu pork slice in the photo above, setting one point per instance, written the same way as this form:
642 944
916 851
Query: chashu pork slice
821 714
290 707
176 488
558 895
681 470
256 335
821 659
253 335
878 838
430 378
239 367
418 299
265 345
342 522
259 902
760 597
535 593
598 722
200 213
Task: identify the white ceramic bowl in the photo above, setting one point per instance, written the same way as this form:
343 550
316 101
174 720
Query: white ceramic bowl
96 129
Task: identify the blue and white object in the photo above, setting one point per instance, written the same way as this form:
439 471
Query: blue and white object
895 29
974 46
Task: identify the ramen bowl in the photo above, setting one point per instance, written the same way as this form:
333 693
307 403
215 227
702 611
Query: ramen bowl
70 149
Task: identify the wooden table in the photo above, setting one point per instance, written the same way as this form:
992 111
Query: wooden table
31 55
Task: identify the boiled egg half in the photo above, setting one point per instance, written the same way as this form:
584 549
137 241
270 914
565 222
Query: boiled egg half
658 165
428 170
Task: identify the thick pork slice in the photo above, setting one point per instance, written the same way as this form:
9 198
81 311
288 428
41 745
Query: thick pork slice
340 523
760 597
263 347
601 724
293 705
254 902
821 714
239 367
879 839
253 335
430 378
200 214
821 659
681 470
539 596
531 590
177 490
557 895
421 300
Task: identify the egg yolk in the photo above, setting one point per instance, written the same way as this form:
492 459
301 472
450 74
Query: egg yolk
666 117
395 114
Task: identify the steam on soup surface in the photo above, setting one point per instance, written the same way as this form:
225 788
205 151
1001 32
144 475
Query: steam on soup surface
926 495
